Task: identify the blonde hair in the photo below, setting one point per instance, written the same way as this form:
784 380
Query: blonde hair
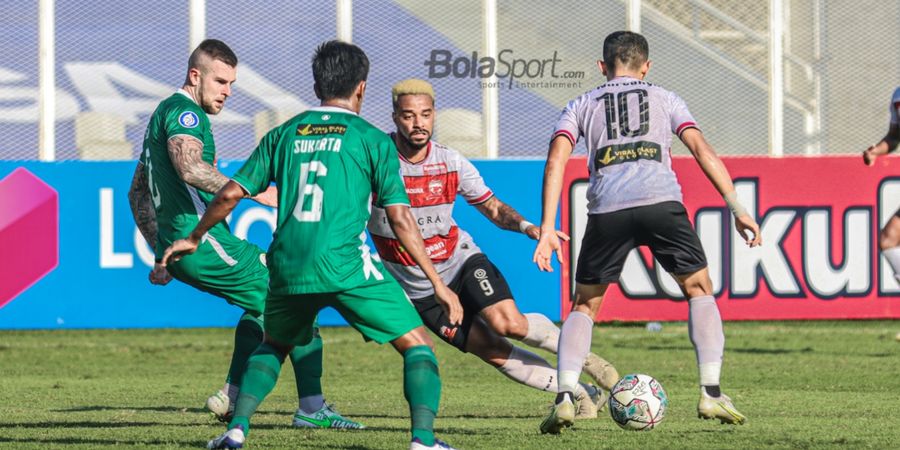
412 86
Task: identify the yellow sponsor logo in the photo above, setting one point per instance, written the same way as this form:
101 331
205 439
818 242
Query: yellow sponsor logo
320 129
622 153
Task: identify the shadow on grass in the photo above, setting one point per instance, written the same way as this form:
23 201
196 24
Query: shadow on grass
131 408
161 409
447 416
91 424
112 443
751 350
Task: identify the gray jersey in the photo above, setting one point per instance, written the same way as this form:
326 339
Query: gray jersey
627 125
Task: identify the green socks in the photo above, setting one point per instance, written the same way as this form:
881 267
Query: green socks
248 334
307 362
422 389
262 373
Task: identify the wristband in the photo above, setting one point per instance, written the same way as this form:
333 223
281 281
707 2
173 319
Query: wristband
523 226
737 209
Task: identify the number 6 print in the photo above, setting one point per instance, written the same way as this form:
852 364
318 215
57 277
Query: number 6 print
309 190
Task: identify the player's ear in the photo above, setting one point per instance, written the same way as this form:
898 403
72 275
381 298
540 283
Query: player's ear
360 91
602 66
316 90
645 68
194 76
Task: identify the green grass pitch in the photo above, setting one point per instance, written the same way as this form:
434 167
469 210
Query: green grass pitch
802 385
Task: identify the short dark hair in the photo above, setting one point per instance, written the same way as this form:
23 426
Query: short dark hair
338 67
215 49
626 48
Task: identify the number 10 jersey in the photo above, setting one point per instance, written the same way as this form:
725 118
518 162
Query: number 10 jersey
627 125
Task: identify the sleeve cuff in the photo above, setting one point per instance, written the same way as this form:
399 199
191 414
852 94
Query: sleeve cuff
483 198
565 133
243 185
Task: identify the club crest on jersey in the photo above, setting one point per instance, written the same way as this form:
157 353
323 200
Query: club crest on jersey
435 187
188 119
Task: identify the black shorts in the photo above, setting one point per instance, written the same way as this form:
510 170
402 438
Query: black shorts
664 227
478 284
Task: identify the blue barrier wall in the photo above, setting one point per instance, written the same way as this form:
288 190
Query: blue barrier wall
92 288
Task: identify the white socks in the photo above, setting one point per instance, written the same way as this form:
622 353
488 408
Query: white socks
705 330
531 370
893 256
574 345
542 333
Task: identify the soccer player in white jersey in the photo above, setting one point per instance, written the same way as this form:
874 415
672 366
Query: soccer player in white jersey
889 238
634 199
434 175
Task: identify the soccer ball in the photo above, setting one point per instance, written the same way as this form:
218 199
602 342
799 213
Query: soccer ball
638 402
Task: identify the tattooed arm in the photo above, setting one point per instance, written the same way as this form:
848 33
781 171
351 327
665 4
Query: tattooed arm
142 205
186 154
139 197
507 218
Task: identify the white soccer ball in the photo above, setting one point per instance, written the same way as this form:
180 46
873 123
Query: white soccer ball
638 402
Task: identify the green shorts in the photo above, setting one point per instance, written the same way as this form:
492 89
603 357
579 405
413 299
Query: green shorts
228 267
379 310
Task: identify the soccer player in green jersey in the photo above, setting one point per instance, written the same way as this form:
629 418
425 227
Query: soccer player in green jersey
172 185
330 165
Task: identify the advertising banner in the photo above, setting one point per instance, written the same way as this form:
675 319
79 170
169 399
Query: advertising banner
819 217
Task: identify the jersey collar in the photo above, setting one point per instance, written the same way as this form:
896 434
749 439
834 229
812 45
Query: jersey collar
185 93
333 109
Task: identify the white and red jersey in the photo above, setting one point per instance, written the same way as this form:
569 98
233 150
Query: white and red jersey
627 125
432 185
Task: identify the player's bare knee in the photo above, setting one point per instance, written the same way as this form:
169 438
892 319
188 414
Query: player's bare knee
513 326
589 297
696 284
414 338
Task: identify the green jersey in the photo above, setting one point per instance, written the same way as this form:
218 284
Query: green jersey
328 164
178 205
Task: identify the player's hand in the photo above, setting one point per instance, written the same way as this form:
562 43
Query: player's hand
159 275
548 243
178 249
268 197
749 230
450 302
869 156
534 232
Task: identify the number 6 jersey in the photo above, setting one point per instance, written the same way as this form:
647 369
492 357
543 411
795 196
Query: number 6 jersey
328 163
627 125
